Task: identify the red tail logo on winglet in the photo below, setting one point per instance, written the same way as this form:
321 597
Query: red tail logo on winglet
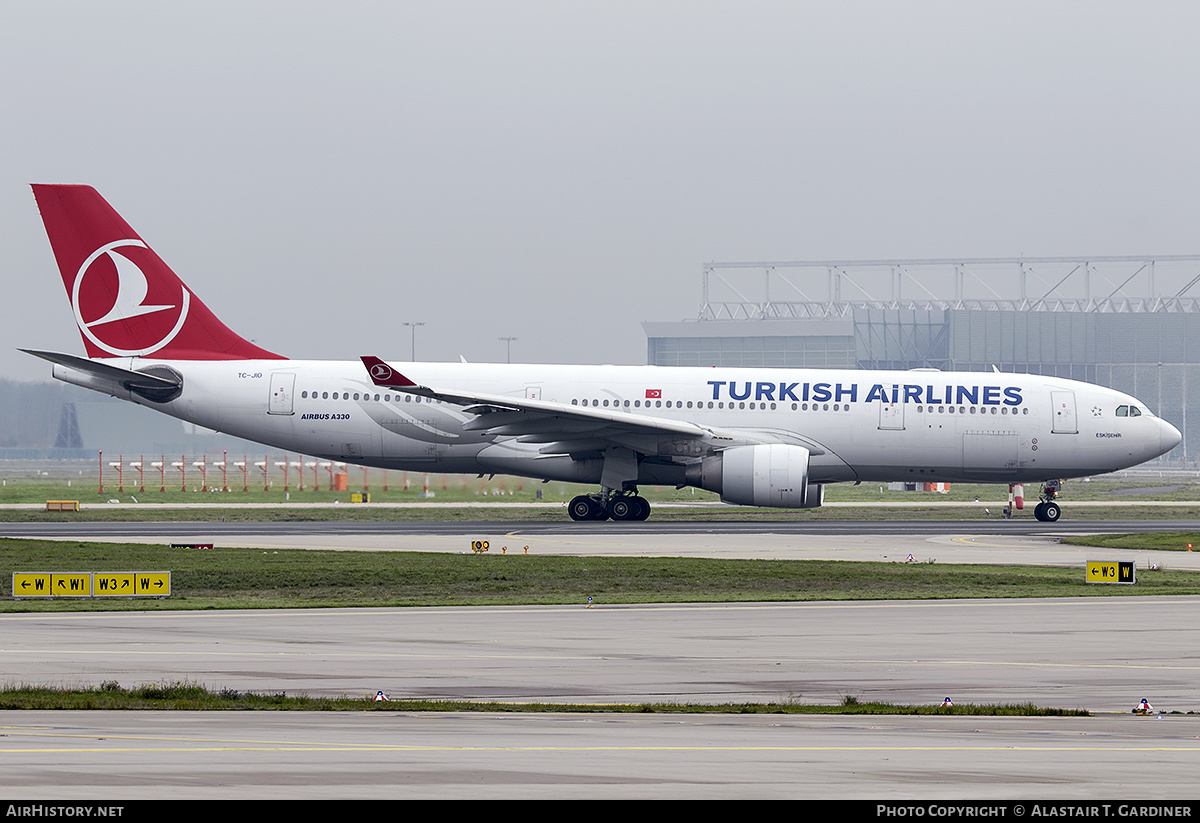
384 375
127 301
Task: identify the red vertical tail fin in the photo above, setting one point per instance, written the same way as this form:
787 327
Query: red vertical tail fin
127 301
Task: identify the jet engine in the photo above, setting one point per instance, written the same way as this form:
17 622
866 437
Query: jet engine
770 474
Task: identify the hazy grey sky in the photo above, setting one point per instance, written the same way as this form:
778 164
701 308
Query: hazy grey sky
320 173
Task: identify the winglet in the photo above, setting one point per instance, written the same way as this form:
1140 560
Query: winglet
384 375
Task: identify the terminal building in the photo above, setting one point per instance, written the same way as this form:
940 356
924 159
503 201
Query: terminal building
1122 322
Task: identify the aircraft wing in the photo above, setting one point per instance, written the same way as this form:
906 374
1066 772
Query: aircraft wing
564 428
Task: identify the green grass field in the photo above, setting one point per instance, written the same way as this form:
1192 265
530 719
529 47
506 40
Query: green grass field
1149 541
229 578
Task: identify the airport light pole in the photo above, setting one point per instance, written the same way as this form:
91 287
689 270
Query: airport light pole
413 355
508 343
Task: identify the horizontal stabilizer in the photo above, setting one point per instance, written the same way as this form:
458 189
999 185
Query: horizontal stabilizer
133 380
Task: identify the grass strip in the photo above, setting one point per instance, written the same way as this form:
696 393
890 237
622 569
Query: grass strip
188 696
1149 541
231 578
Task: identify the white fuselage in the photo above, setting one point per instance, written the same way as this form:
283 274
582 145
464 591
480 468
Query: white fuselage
857 425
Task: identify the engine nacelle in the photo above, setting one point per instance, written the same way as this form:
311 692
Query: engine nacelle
765 475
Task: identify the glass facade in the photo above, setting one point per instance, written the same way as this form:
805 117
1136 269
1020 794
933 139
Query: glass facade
1154 356
819 351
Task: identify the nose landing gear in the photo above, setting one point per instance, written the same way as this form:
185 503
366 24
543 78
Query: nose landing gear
1048 511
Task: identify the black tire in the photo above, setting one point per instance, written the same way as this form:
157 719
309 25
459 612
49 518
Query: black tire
623 508
1039 512
643 508
582 508
1051 512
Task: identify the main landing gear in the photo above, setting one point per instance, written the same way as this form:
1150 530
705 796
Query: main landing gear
1048 511
607 504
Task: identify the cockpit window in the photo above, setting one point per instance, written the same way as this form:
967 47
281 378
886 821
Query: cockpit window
1122 411
1129 411
1134 411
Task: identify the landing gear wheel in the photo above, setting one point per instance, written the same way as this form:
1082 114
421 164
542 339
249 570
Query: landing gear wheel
644 508
623 508
583 508
1047 512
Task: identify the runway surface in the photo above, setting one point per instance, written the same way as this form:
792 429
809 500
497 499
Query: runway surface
180 755
1102 654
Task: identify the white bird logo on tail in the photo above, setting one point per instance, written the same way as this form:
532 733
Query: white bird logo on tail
132 289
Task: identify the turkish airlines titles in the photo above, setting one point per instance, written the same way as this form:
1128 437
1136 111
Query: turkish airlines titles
842 393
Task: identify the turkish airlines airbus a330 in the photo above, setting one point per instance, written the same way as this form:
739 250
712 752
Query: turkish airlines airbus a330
757 437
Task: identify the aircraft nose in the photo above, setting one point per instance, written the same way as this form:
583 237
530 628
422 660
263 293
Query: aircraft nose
1168 436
